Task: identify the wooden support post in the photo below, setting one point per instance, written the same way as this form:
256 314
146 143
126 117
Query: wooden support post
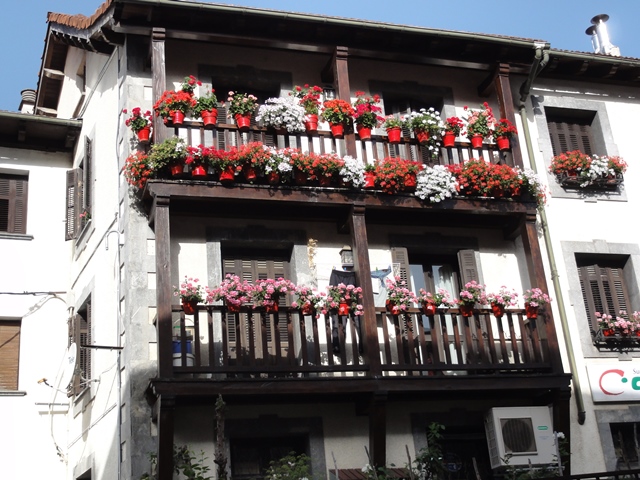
562 421
360 245
378 429
163 285
505 101
539 279
343 89
159 80
165 437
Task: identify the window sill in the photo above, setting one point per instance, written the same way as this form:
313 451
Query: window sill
12 393
603 183
15 236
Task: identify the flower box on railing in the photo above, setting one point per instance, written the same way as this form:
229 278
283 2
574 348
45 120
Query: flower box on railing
616 340
610 182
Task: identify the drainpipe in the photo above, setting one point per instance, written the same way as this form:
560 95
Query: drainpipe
541 60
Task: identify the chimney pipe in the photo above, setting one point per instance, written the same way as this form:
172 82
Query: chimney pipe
28 101
600 36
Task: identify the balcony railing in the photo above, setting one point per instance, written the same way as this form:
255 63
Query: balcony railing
223 136
216 344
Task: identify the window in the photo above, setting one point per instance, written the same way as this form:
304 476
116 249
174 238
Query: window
603 285
250 457
570 130
13 203
625 438
9 354
80 334
80 194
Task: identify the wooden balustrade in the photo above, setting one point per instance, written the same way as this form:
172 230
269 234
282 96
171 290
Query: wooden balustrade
219 344
223 136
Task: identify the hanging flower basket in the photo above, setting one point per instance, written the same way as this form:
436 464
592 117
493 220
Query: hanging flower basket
394 134
177 117
531 311
429 308
311 123
476 141
144 133
337 130
449 139
466 310
364 132
209 117
243 121
503 143
189 306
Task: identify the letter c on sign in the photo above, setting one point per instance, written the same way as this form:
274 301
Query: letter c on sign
619 372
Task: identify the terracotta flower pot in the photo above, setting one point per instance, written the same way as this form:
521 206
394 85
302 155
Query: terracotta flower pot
209 117
337 130
144 134
449 139
476 141
364 132
503 143
394 134
243 121
189 306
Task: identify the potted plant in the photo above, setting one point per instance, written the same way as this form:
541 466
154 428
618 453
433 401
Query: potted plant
309 98
369 175
139 123
393 125
266 293
190 293
502 131
138 169
227 164
325 168
436 184
427 127
622 325
233 291
344 300
471 176
277 166
301 164
502 181
451 129
207 108
198 159
241 107
170 153
479 124
399 298
532 185
189 84
431 301
338 113
396 174
366 114
500 300
471 294
174 105
352 172
282 114
308 300
534 298
252 158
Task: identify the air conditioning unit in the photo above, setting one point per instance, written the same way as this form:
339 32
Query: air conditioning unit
520 436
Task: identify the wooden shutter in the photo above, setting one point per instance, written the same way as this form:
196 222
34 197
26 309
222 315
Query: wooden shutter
400 259
87 187
9 354
603 290
469 266
13 203
569 134
80 334
74 203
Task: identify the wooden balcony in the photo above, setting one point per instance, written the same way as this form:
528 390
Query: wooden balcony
216 345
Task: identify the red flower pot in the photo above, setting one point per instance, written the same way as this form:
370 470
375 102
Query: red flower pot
364 132
250 173
228 175
198 171
422 137
243 121
177 117
143 134
189 306
476 141
300 177
369 180
497 309
531 311
503 143
449 139
609 332
273 178
176 169
410 182
232 307
343 309
307 309
337 130
271 307
324 181
311 122
429 308
392 308
394 134
209 117
466 310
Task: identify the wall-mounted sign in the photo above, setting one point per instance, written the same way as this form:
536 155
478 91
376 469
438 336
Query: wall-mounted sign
615 382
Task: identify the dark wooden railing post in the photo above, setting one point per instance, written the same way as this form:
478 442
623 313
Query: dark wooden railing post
341 83
158 80
164 295
378 429
166 406
539 280
360 245
505 101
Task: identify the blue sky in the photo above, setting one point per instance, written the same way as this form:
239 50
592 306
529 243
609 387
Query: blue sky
560 22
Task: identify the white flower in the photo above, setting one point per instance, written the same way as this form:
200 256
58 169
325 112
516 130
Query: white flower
436 184
353 171
282 113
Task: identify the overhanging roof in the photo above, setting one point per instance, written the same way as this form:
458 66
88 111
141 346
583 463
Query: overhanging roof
36 132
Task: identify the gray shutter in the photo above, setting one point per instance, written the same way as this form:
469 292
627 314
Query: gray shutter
72 203
603 290
10 354
568 135
400 259
88 176
469 266
13 203
74 385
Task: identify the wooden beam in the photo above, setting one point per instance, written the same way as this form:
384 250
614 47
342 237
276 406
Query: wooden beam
159 80
507 110
538 279
378 430
360 246
163 286
343 89
166 404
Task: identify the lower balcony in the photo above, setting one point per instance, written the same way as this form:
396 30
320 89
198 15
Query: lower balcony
217 345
